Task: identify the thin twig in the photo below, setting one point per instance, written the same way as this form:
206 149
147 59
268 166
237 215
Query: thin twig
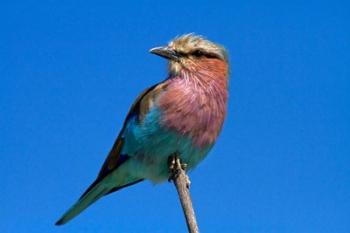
182 183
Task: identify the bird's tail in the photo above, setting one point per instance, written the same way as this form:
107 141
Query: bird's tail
95 193
97 189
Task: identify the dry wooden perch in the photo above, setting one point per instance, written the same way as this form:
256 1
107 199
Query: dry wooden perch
182 183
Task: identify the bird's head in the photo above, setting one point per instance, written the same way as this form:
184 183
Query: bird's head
190 52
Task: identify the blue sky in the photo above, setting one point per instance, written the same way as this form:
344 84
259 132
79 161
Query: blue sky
70 70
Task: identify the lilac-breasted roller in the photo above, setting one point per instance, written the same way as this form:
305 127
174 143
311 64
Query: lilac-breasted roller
182 114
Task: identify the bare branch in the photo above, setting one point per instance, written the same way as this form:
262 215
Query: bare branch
182 183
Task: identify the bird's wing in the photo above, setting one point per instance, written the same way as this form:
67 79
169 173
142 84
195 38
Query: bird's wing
139 109
99 187
114 159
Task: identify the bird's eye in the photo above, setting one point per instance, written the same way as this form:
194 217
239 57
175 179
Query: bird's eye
197 53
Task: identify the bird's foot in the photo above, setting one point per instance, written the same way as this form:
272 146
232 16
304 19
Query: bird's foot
175 167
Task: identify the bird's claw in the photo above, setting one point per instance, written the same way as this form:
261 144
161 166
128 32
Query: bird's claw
172 167
175 165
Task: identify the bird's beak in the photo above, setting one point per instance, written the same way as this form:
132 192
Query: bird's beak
165 52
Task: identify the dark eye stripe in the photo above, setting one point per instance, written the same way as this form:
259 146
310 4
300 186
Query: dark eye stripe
198 53
181 54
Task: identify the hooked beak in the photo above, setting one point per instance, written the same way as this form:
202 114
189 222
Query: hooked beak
165 52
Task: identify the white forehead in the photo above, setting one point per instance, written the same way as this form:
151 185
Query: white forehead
190 42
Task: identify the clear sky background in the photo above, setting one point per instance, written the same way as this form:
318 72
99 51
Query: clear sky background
69 71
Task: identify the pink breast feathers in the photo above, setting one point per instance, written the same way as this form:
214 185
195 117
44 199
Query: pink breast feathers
194 104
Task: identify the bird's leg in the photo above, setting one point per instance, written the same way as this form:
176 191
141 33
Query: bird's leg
172 164
175 166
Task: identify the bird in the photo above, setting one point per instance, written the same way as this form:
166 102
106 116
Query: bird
182 114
